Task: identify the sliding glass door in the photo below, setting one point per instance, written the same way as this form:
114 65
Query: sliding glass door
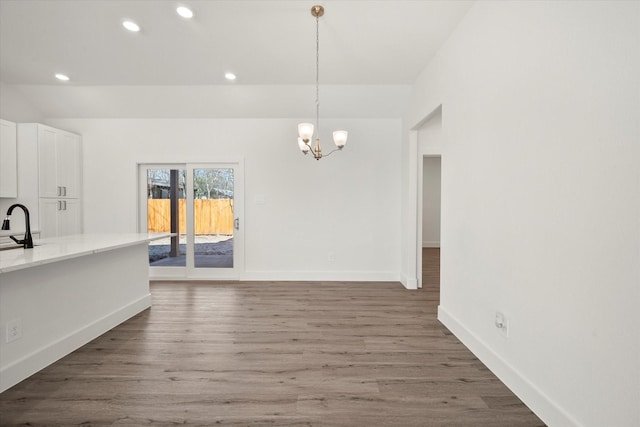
164 199
201 205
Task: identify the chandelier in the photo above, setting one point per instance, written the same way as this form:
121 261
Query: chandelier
305 130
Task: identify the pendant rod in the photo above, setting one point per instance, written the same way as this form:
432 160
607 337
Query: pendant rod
318 75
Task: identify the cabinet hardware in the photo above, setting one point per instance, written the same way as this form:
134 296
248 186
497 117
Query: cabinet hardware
59 191
236 223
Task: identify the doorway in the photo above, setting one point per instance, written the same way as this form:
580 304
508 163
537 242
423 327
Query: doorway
201 206
430 222
430 166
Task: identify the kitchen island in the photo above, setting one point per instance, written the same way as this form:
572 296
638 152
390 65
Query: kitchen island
65 292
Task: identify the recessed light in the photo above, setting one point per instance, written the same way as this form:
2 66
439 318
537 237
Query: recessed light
185 12
230 76
62 77
131 26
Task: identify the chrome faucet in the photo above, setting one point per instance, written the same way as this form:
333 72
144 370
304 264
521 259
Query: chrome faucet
27 242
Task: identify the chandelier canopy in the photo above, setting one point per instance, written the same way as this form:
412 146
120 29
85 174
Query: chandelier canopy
306 130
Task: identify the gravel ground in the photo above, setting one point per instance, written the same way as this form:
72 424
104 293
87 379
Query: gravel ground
157 252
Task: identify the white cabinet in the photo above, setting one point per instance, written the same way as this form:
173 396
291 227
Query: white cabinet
59 177
59 217
59 162
8 160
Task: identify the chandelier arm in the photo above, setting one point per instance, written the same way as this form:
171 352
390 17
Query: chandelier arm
332 151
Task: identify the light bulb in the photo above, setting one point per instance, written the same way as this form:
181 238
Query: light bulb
340 138
303 147
305 130
185 12
131 26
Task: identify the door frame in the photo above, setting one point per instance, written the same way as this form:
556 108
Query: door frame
418 150
236 271
420 207
189 272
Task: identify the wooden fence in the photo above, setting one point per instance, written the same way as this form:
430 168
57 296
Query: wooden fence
214 216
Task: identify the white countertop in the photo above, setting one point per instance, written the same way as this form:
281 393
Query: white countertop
62 248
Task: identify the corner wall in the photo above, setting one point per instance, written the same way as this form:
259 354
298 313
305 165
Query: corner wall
541 196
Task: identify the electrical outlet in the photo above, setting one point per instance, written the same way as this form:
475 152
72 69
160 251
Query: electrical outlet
331 257
502 323
14 330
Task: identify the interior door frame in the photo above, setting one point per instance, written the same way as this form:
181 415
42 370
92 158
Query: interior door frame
418 150
189 272
420 205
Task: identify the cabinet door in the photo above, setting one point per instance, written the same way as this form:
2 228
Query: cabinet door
49 209
60 217
69 219
68 156
47 160
8 160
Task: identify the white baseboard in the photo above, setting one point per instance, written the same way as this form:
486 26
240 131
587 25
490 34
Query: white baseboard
409 283
30 364
329 276
532 396
429 244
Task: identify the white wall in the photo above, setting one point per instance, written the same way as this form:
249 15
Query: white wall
16 107
431 202
408 193
346 204
541 200
219 101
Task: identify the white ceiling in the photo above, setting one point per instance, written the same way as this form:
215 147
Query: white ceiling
264 42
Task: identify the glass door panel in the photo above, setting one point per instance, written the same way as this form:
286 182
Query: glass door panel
166 213
213 217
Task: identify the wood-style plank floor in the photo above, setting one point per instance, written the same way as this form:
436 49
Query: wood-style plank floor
273 354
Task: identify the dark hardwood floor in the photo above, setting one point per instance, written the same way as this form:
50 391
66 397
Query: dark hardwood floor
273 354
